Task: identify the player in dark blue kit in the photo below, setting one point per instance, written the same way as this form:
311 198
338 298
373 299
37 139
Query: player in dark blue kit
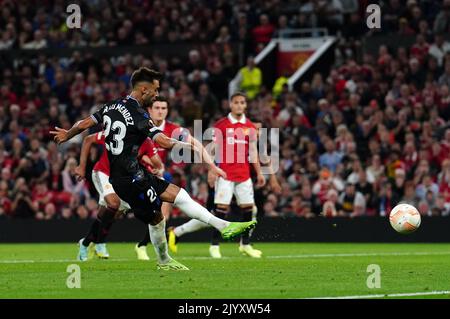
126 125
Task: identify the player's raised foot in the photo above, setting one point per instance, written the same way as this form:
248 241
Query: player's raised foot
214 251
235 229
172 240
172 265
141 252
82 251
248 250
101 251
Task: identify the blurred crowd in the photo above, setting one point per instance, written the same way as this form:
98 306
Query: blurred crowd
355 142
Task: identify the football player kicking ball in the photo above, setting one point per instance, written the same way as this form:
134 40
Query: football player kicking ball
107 197
235 139
158 112
127 125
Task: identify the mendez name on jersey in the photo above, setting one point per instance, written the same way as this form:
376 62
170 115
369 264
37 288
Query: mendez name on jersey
126 126
123 110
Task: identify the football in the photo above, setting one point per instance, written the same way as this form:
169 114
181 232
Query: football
405 218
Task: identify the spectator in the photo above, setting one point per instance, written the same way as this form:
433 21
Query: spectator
426 185
39 42
409 196
442 22
440 207
386 200
70 183
22 205
352 202
331 158
326 182
439 49
331 206
263 32
251 78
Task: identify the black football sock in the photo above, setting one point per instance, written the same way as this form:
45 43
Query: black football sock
105 227
146 239
107 218
216 235
246 214
93 233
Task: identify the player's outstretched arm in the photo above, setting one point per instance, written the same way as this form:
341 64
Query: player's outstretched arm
260 179
62 135
205 157
166 142
155 162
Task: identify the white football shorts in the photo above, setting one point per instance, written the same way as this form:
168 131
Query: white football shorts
225 189
104 188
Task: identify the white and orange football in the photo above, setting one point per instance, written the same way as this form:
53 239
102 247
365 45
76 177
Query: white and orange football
405 218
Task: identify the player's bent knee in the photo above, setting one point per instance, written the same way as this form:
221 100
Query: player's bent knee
171 193
156 218
113 202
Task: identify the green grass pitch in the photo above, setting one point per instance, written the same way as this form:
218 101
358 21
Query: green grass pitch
287 270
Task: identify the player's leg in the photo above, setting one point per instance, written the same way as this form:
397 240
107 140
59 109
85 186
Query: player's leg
141 247
157 233
107 210
220 211
245 199
174 233
107 218
181 199
222 199
166 210
143 196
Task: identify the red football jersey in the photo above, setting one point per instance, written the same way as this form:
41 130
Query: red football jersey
102 164
171 130
147 148
232 140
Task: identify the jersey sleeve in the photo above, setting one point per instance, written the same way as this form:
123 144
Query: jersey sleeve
97 116
147 127
216 132
148 148
252 132
100 138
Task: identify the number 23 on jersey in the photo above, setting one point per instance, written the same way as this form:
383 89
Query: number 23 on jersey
118 131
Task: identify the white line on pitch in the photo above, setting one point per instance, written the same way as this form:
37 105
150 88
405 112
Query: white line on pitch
29 261
363 254
412 294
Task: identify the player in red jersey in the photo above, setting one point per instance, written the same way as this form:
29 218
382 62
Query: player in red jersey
159 110
194 225
235 145
235 138
107 197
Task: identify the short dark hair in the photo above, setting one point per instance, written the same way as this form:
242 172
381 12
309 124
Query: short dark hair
238 94
160 98
144 74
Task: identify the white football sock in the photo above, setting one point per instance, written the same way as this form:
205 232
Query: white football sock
194 210
191 226
159 241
